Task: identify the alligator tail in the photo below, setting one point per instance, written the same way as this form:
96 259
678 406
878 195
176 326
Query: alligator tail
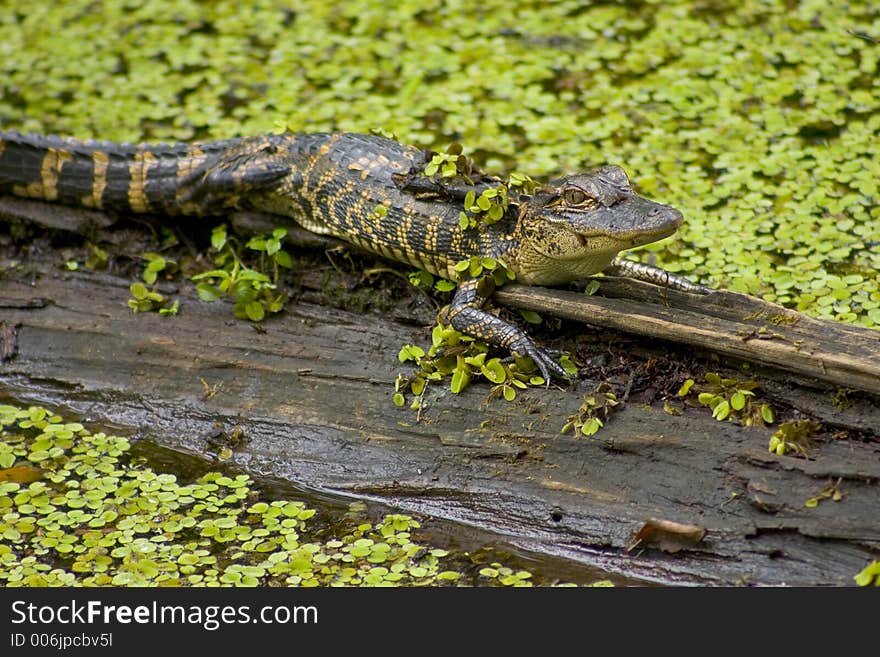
142 178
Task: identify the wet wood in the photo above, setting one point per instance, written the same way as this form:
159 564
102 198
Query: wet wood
57 217
723 322
312 393
313 396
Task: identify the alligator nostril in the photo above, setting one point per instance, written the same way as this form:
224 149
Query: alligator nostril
671 214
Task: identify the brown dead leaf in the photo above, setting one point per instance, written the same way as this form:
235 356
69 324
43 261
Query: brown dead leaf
22 474
667 535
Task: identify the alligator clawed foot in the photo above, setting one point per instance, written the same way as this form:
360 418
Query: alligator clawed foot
546 364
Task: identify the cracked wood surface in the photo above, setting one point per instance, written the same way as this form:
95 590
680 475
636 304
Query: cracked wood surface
724 322
313 395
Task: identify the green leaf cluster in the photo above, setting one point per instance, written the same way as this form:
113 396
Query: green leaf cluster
729 399
506 576
270 245
829 492
98 257
146 299
426 280
492 204
477 266
870 574
795 436
461 359
598 406
487 208
252 291
450 164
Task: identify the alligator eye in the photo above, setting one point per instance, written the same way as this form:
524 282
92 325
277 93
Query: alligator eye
576 197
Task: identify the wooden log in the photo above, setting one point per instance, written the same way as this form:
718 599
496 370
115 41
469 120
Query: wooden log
724 322
57 217
313 396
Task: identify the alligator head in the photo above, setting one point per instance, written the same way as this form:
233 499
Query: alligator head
573 227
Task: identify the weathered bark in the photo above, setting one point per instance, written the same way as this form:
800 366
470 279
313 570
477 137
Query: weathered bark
58 217
313 395
724 322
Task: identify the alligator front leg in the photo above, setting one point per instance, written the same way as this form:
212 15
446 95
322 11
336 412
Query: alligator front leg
465 314
641 272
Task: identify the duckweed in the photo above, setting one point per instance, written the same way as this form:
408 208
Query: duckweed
96 518
729 399
758 119
870 574
461 359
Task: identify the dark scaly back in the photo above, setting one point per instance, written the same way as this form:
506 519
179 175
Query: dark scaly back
336 182
329 183
104 175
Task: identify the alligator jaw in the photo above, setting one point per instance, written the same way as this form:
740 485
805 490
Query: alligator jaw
658 222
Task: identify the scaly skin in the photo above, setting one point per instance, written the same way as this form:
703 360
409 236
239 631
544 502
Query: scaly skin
332 184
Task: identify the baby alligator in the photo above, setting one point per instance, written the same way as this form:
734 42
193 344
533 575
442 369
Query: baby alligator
334 184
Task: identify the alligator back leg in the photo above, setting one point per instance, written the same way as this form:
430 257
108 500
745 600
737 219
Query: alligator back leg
465 314
190 179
